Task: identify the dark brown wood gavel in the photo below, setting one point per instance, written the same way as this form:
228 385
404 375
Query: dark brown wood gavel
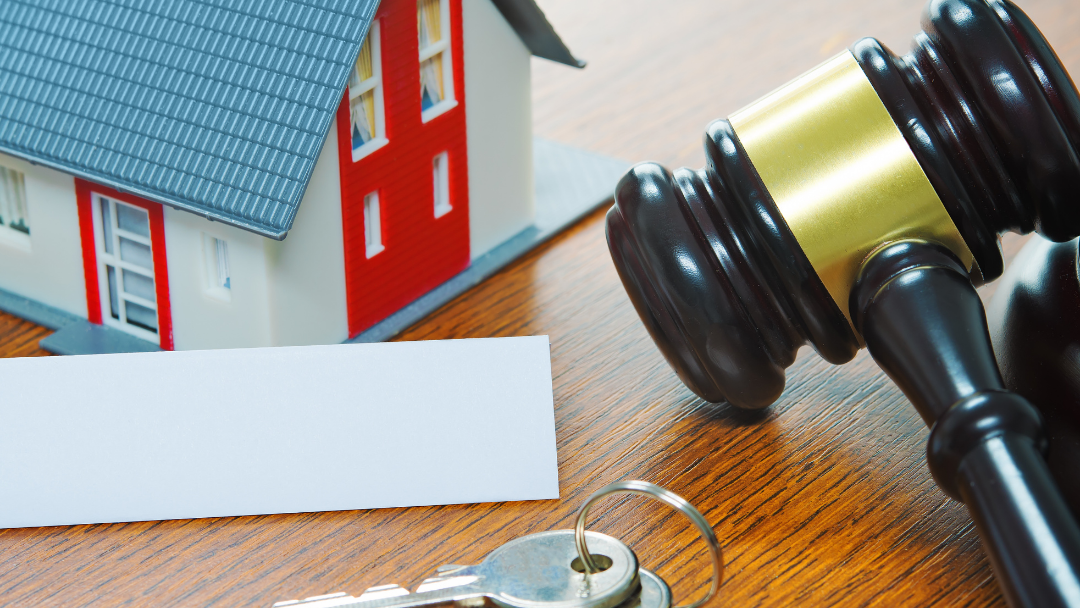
859 205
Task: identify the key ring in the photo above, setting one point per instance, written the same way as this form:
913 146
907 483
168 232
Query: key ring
651 490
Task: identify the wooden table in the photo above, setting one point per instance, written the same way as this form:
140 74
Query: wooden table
823 499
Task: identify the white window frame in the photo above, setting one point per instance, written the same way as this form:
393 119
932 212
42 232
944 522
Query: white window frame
443 46
440 175
214 248
8 235
373 225
105 259
373 83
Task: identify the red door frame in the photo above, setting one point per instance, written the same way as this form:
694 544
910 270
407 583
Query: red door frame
84 192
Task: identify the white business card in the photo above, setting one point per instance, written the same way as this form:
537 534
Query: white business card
176 435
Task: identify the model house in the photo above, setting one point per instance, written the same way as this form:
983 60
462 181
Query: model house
200 174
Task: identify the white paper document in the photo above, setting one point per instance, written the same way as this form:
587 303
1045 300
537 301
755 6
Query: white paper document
170 435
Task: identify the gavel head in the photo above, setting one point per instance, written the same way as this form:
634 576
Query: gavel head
733 267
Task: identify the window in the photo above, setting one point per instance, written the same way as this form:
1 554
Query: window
436 72
216 265
367 122
442 185
126 267
372 224
14 221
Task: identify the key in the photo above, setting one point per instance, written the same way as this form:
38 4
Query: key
536 571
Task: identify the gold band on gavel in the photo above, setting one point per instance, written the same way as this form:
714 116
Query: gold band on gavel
841 173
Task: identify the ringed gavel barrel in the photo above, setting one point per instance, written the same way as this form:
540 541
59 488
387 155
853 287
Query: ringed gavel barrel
859 205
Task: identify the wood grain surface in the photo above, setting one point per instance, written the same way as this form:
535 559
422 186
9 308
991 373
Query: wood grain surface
823 499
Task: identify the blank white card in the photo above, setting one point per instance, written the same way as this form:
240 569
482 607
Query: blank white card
147 436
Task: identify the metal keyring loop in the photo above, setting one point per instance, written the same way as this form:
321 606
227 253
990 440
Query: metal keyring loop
651 490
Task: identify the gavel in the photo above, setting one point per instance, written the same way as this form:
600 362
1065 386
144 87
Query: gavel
860 205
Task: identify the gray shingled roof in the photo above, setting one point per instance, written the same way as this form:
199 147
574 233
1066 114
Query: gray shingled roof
218 107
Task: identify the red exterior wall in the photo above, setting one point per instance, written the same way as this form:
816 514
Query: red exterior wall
421 251
83 198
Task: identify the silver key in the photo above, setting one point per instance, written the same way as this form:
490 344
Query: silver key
534 571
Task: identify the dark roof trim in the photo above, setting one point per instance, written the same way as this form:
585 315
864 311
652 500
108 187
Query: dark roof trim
535 31
155 196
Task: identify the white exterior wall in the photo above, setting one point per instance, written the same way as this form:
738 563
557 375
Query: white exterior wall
200 320
282 293
51 271
306 271
498 112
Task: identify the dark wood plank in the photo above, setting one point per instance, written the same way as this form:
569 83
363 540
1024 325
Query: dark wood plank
20 338
823 499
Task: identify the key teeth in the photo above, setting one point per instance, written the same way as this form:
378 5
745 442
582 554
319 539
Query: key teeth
425 585
310 600
379 592
444 573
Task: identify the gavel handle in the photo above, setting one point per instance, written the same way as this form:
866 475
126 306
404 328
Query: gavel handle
924 324
1030 536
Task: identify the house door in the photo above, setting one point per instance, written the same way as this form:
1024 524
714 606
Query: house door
126 267
124 259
